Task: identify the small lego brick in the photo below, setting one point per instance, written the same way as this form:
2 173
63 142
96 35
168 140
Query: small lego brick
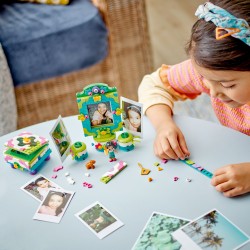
70 180
54 176
176 178
90 164
56 169
156 164
66 174
164 161
160 169
86 184
144 171
188 180
113 172
87 174
189 162
150 179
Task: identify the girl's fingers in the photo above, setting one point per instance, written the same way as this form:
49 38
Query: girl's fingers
175 146
183 145
219 179
224 187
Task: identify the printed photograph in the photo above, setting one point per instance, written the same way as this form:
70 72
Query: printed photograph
39 186
100 114
211 231
53 206
132 116
61 138
157 233
99 220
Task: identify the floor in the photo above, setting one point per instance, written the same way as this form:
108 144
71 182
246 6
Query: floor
170 23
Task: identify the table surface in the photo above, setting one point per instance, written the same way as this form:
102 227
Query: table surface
129 196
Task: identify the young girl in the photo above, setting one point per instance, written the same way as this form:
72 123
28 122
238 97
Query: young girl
220 67
133 121
53 204
102 115
43 186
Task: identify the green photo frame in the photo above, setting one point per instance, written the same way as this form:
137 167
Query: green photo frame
100 111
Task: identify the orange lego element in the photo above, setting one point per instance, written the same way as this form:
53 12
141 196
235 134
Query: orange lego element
150 179
160 169
90 164
230 31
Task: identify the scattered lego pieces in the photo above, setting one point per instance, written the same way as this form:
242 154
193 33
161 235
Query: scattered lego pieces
86 184
56 169
157 164
69 179
176 178
188 180
90 164
160 169
113 172
87 174
54 176
150 179
144 171
164 161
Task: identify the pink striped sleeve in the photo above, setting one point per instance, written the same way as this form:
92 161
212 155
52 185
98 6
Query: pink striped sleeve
183 79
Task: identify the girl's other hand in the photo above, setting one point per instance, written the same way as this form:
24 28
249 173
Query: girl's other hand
232 180
170 142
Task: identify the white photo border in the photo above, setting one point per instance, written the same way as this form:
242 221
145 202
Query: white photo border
188 243
138 105
106 231
53 218
148 221
33 180
66 152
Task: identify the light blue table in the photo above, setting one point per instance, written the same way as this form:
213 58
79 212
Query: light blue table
129 195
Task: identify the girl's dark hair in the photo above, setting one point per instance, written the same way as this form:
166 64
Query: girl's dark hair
228 53
40 179
65 197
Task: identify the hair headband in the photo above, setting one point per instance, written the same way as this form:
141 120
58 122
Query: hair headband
236 27
133 107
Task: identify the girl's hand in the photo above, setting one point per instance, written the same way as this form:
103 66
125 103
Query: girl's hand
232 180
170 142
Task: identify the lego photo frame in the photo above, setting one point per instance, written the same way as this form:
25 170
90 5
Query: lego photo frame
100 112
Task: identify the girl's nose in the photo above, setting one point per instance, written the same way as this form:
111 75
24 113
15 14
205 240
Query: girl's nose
214 90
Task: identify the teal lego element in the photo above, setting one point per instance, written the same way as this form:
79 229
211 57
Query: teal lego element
38 165
198 168
78 151
126 141
100 112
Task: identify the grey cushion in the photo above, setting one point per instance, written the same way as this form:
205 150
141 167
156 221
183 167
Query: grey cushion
8 121
42 41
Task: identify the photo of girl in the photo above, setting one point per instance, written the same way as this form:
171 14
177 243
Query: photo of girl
132 120
54 203
39 187
53 206
100 113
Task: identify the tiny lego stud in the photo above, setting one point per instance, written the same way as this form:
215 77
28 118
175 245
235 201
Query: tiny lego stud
54 176
150 179
160 169
87 174
176 178
164 161
56 169
188 180
157 164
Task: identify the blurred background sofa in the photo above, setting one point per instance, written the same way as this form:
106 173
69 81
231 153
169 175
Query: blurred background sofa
54 51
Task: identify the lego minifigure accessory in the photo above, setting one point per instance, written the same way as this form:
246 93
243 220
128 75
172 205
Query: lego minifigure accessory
235 27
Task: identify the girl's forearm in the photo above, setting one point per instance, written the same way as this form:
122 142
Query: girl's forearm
159 114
